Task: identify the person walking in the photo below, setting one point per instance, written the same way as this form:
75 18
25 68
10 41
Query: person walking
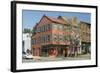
75 51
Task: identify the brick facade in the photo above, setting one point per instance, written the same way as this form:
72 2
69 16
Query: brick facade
56 36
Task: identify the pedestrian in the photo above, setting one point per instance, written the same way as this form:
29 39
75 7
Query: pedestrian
75 51
71 51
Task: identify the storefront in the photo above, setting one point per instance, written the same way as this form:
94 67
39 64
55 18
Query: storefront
86 47
54 50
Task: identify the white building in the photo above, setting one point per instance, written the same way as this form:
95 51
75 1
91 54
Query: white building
26 43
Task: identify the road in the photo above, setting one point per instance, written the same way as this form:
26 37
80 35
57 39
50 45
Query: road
45 59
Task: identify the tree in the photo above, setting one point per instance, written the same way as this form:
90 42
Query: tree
33 31
26 30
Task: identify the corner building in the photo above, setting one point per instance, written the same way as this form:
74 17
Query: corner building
54 36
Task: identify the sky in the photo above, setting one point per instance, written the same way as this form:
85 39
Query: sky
31 17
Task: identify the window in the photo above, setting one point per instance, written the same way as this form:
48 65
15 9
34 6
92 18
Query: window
39 39
48 38
38 29
43 39
44 28
61 38
55 37
55 26
33 41
48 26
61 27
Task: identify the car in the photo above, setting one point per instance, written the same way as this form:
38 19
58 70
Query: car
27 56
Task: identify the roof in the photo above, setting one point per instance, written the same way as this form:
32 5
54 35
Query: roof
52 19
68 21
84 22
71 21
62 20
55 20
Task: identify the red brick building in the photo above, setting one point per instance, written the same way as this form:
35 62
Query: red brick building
53 36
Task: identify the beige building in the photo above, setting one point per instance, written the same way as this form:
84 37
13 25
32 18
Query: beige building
85 36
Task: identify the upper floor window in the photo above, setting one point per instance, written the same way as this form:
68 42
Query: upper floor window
48 38
48 26
61 38
45 38
44 28
55 26
38 29
55 37
39 39
61 27
42 39
33 41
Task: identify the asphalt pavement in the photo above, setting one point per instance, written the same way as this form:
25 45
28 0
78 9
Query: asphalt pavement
46 59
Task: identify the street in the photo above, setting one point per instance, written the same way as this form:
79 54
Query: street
45 59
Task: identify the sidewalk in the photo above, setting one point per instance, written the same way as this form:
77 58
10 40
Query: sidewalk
44 59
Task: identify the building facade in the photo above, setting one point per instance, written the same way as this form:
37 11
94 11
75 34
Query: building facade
60 37
56 37
85 34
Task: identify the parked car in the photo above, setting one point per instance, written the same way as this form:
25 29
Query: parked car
27 56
